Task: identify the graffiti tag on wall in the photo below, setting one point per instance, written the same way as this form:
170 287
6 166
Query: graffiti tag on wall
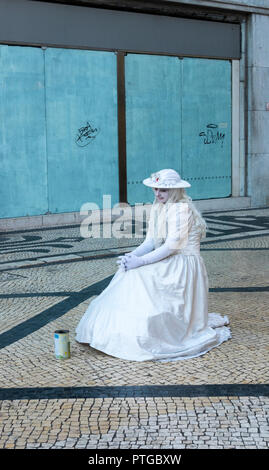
212 135
86 135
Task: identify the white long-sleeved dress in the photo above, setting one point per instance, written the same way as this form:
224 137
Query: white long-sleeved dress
158 311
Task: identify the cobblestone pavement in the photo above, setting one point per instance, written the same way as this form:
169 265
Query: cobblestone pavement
219 400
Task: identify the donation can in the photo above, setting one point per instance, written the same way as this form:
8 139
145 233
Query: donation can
62 344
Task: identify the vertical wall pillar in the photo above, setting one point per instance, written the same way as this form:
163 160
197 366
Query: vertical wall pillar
121 126
258 115
243 110
235 129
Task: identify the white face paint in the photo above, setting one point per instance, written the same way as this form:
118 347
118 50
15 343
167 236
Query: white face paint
161 194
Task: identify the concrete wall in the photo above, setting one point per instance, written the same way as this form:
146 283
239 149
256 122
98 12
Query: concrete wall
258 116
255 6
247 3
259 6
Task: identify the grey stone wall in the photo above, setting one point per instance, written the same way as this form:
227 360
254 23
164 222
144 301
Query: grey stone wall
258 116
258 6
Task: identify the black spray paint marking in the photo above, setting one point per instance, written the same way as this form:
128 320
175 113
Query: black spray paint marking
86 135
212 136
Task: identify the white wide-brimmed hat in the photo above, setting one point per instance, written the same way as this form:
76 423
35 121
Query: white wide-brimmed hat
166 179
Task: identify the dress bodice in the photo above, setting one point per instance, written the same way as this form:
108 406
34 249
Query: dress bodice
193 243
188 236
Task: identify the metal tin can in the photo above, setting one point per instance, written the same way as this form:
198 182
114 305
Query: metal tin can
62 344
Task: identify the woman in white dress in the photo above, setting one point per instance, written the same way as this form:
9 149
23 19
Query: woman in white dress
156 305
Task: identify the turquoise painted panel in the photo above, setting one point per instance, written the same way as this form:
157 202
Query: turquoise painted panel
23 169
153 120
206 127
82 139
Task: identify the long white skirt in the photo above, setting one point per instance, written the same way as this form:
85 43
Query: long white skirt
155 312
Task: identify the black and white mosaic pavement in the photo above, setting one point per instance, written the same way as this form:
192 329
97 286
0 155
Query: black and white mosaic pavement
47 279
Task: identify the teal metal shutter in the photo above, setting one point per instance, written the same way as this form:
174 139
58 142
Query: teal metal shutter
23 168
82 133
178 115
153 120
59 127
206 127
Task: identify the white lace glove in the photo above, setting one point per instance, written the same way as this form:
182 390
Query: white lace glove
160 253
129 262
134 261
121 261
145 247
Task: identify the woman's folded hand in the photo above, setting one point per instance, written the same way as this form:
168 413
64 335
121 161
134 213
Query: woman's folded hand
129 261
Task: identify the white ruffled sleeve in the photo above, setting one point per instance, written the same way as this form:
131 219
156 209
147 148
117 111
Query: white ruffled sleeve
148 244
